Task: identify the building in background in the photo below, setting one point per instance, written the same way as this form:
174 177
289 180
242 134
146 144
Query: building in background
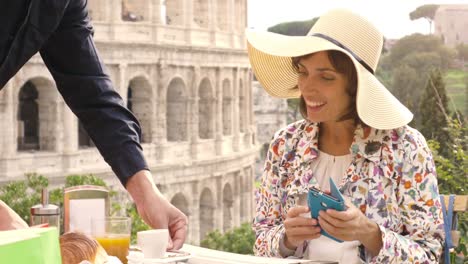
270 115
182 68
451 23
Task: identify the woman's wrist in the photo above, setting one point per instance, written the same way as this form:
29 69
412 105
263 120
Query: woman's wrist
288 244
371 237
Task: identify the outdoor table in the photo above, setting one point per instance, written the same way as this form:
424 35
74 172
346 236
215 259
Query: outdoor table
201 255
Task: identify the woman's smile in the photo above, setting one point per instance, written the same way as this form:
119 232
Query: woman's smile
314 106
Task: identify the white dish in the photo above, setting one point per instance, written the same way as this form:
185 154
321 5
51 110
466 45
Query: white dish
175 256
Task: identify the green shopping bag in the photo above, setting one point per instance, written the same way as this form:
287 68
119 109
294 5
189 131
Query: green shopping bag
30 246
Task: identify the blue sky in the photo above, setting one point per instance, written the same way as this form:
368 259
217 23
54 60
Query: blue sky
390 16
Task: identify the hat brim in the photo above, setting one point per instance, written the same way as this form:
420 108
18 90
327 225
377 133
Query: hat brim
271 54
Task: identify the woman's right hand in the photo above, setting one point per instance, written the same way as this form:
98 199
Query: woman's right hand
299 228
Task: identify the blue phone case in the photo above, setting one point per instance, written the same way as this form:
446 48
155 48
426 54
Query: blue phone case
317 201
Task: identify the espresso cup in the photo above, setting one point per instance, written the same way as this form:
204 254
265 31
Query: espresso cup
153 243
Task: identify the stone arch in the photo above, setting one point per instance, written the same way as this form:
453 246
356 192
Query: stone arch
37 115
139 98
206 212
181 203
172 12
222 15
228 200
206 105
245 177
97 10
135 10
242 107
28 117
84 140
176 111
201 15
227 107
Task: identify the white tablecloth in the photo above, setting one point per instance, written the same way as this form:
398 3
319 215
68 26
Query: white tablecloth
201 255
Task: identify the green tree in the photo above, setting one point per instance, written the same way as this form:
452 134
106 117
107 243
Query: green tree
462 51
83 179
409 62
137 223
462 54
239 240
452 171
466 96
434 112
418 43
294 113
424 61
383 73
425 11
22 195
405 81
294 28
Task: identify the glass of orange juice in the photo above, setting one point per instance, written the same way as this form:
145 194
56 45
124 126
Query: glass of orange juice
113 234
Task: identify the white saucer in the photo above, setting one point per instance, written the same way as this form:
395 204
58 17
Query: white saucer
174 256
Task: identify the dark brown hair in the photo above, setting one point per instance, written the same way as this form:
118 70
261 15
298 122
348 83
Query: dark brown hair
342 64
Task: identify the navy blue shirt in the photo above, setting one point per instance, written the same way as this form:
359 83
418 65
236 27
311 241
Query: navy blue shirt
61 31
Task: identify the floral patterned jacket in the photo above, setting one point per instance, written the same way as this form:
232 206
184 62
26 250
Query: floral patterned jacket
391 178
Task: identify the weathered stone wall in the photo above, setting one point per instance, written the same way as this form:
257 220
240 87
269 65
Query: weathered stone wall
187 82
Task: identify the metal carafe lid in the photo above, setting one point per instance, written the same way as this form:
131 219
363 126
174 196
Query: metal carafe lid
45 208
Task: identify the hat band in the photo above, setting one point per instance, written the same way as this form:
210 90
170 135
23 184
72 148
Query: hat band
336 42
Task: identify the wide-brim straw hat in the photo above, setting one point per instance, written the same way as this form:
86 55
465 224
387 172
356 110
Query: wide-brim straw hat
271 56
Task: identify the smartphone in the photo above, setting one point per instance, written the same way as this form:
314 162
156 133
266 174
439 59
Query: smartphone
318 201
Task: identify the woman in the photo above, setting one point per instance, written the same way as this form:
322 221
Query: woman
355 132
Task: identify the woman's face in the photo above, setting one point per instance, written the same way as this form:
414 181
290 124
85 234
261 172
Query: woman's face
323 88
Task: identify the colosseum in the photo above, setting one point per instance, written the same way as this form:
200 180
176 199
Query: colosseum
181 66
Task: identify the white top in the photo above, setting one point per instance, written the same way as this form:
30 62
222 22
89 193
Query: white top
324 248
326 166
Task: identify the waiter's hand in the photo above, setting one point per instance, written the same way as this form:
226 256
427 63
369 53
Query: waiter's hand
155 210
